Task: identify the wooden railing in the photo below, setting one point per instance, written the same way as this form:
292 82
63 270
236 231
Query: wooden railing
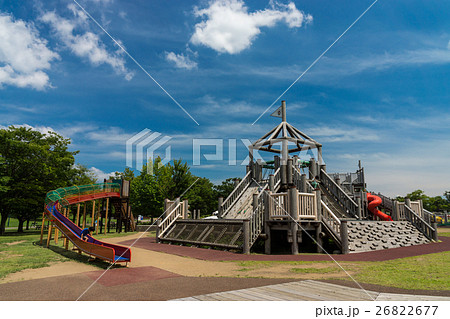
257 219
428 216
279 205
420 224
277 178
236 193
165 224
331 221
307 206
339 194
387 203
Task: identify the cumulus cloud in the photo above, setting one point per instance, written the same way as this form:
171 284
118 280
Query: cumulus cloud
24 56
228 27
181 61
101 175
85 45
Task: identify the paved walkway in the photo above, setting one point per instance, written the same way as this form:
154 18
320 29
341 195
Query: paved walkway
149 243
308 290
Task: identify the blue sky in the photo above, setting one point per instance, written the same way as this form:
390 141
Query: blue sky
380 94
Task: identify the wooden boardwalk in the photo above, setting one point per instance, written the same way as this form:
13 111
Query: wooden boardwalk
307 290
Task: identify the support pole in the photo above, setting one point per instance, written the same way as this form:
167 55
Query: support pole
220 208
106 215
271 183
344 237
312 169
93 213
303 183
267 213
78 214
246 231
289 171
319 238
185 208
49 234
84 215
42 228
98 218
66 214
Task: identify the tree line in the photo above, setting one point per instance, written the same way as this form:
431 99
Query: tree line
436 204
33 163
173 180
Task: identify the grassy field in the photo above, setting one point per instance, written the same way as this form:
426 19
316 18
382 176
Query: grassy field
428 272
22 251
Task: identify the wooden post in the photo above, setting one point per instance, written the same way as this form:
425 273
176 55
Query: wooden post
312 169
185 208
435 233
293 203
106 214
56 235
42 228
267 213
395 210
294 246
303 183
65 215
49 235
93 213
318 194
289 174
84 215
319 237
246 231
219 208
271 182
344 237
358 201
98 218
408 202
78 214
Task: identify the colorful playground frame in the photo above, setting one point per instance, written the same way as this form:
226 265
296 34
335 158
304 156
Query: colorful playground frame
60 198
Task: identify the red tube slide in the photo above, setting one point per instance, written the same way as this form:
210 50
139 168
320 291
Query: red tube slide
374 202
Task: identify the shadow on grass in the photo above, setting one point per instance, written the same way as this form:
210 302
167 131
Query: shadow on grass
25 233
82 258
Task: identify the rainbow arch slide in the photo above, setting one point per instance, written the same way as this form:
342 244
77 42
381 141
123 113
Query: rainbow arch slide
61 197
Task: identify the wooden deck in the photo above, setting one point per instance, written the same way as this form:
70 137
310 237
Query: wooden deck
308 290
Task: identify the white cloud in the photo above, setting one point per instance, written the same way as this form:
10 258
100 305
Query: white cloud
181 61
230 28
344 134
24 56
101 175
85 45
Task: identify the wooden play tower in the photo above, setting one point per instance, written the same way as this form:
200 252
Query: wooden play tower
298 207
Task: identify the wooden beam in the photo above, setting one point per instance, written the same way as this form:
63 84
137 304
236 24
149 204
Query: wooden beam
66 213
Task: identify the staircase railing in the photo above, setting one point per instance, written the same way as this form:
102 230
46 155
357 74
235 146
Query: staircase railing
331 221
236 193
340 195
387 203
257 219
420 224
428 216
165 224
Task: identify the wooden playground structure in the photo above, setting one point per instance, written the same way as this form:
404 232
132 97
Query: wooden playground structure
291 205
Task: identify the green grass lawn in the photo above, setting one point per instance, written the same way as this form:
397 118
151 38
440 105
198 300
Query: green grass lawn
22 251
427 272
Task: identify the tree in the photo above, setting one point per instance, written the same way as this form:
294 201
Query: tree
33 163
227 186
81 175
127 175
202 196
